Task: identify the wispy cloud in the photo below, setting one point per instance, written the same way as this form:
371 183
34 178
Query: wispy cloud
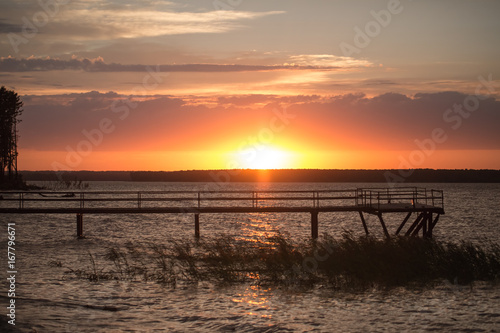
11 64
107 24
328 60
8 27
110 19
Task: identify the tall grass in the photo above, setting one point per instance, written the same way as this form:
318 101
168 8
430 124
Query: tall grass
348 262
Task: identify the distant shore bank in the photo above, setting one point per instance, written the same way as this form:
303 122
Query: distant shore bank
390 176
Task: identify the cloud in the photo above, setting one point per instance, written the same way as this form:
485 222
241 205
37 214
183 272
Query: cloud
147 23
327 60
7 27
259 100
105 20
355 121
11 64
107 24
347 122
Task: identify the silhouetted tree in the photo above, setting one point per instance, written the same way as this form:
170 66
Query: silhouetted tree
10 108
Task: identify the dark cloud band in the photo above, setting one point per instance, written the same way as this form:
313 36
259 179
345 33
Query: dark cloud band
10 64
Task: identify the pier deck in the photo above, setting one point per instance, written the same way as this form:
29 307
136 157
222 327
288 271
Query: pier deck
427 205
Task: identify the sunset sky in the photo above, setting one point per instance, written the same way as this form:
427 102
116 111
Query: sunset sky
204 84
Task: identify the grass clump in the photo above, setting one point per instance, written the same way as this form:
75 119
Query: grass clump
348 262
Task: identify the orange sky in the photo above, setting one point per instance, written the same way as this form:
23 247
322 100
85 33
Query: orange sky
158 161
258 84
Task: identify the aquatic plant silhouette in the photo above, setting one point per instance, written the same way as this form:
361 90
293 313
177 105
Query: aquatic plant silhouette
346 263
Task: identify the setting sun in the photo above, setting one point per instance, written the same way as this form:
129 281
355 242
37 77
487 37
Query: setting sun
263 157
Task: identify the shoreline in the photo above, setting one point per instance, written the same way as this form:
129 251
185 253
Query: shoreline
389 176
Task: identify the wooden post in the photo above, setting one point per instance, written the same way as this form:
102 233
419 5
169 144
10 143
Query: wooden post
403 223
425 223
422 225
79 225
383 225
414 225
197 225
432 225
21 200
314 224
363 221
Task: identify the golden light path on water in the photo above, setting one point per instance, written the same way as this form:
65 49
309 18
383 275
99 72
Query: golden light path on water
256 296
257 231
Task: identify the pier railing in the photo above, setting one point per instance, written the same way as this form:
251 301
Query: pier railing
369 200
362 197
413 196
199 199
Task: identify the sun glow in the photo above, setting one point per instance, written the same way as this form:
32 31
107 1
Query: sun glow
263 157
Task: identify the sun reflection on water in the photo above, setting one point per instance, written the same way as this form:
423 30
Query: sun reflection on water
258 229
257 298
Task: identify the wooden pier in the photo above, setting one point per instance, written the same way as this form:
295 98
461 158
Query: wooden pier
425 205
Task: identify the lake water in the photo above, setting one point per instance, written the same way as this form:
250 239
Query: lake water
48 300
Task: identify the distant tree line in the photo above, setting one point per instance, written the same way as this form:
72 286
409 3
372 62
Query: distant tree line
320 175
291 175
76 176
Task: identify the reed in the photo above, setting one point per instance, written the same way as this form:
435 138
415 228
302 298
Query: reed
348 262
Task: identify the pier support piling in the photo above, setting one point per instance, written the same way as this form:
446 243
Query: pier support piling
314 224
364 222
386 233
432 225
414 225
422 225
403 223
197 225
79 225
